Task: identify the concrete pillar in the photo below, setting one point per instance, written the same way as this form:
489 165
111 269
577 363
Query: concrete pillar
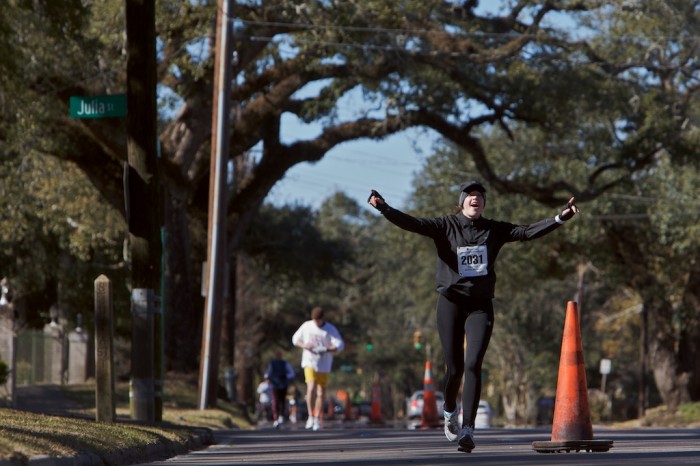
77 356
54 350
8 340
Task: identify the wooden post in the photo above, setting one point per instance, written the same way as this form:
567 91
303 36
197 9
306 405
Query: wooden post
104 357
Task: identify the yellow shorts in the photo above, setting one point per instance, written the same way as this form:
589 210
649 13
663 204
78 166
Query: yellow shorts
310 375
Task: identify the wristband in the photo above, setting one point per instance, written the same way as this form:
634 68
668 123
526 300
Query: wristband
559 220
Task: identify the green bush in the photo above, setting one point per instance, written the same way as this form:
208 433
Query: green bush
599 405
690 412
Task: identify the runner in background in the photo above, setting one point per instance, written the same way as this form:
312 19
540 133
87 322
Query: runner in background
264 401
280 373
319 339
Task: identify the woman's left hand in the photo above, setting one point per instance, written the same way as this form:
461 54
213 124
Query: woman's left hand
569 210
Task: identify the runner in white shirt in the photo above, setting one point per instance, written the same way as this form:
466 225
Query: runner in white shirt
319 340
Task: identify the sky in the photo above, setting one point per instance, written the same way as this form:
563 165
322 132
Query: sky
356 167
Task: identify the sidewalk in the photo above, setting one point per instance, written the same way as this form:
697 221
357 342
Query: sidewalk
45 399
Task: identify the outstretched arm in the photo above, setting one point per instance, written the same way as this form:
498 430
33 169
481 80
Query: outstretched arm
423 226
543 227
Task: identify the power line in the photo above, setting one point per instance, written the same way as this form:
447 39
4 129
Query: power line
359 183
376 160
326 185
404 31
375 29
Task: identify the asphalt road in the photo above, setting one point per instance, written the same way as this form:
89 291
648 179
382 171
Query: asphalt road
341 445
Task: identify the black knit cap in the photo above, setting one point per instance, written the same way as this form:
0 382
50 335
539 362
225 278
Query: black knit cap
470 186
466 188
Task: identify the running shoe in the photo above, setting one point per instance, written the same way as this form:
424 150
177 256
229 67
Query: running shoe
466 438
451 425
317 423
309 422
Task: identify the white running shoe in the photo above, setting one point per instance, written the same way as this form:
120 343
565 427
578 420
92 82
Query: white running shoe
466 438
451 425
309 422
317 423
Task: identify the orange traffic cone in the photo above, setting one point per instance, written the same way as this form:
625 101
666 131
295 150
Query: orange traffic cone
375 416
344 398
571 428
429 415
330 409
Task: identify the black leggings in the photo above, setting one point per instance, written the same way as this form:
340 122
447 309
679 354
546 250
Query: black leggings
279 401
473 318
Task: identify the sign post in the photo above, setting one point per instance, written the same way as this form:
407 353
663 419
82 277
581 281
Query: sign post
605 368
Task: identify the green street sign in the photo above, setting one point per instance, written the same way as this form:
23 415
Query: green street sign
98 106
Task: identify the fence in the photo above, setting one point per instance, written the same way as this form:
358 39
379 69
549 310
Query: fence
33 356
41 357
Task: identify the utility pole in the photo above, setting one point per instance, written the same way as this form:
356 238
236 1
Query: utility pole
143 201
216 251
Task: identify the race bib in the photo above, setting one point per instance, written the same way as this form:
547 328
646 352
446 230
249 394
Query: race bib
472 261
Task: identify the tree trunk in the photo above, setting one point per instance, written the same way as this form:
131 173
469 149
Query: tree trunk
229 317
664 341
247 335
689 352
183 318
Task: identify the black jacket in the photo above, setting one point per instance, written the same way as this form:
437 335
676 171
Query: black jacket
456 231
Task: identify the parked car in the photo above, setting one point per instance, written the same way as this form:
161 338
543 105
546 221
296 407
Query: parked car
484 415
364 408
414 405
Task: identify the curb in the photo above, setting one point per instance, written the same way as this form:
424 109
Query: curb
154 452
